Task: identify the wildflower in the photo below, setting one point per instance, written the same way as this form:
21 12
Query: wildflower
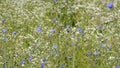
54 47
14 32
96 53
23 63
52 30
117 67
3 20
43 60
103 46
4 66
38 29
110 5
89 54
4 31
30 58
42 65
5 39
99 27
80 30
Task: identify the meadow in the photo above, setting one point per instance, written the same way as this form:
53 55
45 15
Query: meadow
59 34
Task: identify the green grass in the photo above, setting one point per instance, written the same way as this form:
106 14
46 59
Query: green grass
26 16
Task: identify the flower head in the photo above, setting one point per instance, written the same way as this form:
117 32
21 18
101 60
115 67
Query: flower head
5 39
110 5
103 46
80 30
38 29
89 54
117 67
42 65
4 31
22 62
14 32
52 30
30 58
4 66
99 27
43 60
96 53
3 20
54 47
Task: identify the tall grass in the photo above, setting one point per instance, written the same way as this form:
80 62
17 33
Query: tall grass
59 34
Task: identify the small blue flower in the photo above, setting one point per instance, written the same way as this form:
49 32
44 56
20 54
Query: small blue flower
38 29
30 58
5 39
99 27
4 66
96 53
52 30
117 67
3 20
4 31
43 60
89 54
22 62
80 30
14 32
42 65
110 5
54 47
103 46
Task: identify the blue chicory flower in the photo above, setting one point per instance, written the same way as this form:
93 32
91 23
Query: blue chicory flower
89 54
14 32
117 67
110 5
103 46
22 62
38 29
96 53
80 30
42 65
30 58
4 31
54 47
3 20
99 27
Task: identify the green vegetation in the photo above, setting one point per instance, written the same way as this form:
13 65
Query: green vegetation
59 34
